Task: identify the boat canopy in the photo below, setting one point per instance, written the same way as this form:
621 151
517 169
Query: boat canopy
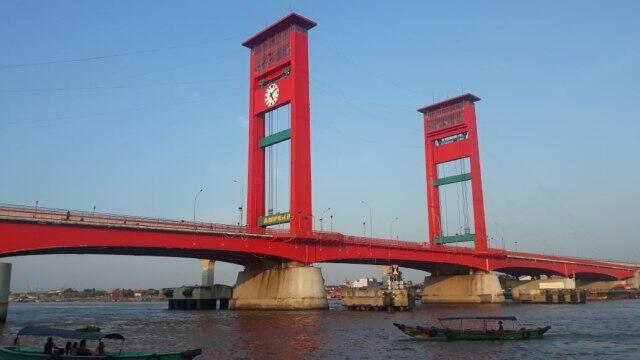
67 334
507 318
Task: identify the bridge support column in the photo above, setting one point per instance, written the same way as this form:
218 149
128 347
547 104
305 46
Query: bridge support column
208 267
5 288
455 289
289 286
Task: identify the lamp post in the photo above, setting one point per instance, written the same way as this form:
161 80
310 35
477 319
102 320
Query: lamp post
195 201
364 228
322 217
36 212
241 207
331 221
392 221
370 217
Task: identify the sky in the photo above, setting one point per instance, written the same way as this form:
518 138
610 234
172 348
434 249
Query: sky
132 107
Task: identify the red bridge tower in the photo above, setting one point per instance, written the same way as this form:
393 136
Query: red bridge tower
279 76
451 134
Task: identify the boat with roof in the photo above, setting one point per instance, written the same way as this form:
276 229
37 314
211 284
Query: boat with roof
474 328
19 352
489 328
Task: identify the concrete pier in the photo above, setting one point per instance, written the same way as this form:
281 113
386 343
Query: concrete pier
207 296
379 299
289 286
460 289
5 288
208 272
553 290
198 297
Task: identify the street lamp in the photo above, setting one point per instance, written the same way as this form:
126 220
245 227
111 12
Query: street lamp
36 213
331 221
240 208
370 217
195 200
364 228
322 217
392 221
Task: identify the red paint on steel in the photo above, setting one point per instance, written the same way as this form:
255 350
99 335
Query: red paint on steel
455 116
25 232
279 55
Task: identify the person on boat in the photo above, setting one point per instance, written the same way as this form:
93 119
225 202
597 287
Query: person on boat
100 349
74 349
67 348
500 328
50 346
82 349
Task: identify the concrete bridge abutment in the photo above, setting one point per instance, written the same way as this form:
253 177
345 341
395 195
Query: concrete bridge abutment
5 289
285 286
479 287
553 289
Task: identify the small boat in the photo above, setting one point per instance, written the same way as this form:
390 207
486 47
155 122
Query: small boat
421 332
489 328
18 352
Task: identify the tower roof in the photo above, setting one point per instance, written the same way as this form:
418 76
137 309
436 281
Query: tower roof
291 19
451 101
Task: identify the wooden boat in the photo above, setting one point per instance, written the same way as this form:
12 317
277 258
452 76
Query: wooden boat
421 332
18 352
489 328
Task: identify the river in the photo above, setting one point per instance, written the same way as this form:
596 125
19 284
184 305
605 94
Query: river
596 330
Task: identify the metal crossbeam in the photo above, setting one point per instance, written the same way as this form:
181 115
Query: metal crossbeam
452 179
273 139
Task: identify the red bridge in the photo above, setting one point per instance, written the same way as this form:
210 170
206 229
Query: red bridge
279 78
30 231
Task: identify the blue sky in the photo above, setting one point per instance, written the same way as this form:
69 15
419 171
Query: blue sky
156 108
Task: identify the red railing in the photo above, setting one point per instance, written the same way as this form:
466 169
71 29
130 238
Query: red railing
99 218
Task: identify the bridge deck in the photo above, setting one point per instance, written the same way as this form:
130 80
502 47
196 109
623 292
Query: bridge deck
325 246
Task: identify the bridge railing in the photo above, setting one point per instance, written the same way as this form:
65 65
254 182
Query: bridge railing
380 242
100 218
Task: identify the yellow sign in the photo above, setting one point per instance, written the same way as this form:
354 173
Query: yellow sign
275 219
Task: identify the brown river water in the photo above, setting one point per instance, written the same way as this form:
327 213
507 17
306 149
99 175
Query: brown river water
597 330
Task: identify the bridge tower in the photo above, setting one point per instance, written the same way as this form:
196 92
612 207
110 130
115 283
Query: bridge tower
451 134
279 76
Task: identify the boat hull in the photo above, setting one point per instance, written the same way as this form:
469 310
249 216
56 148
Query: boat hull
420 332
13 353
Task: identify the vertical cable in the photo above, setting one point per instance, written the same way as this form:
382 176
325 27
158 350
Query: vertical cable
275 160
270 164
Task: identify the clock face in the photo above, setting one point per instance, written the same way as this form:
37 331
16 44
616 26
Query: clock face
271 95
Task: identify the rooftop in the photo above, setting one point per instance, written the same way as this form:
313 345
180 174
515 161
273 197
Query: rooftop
448 102
291 19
